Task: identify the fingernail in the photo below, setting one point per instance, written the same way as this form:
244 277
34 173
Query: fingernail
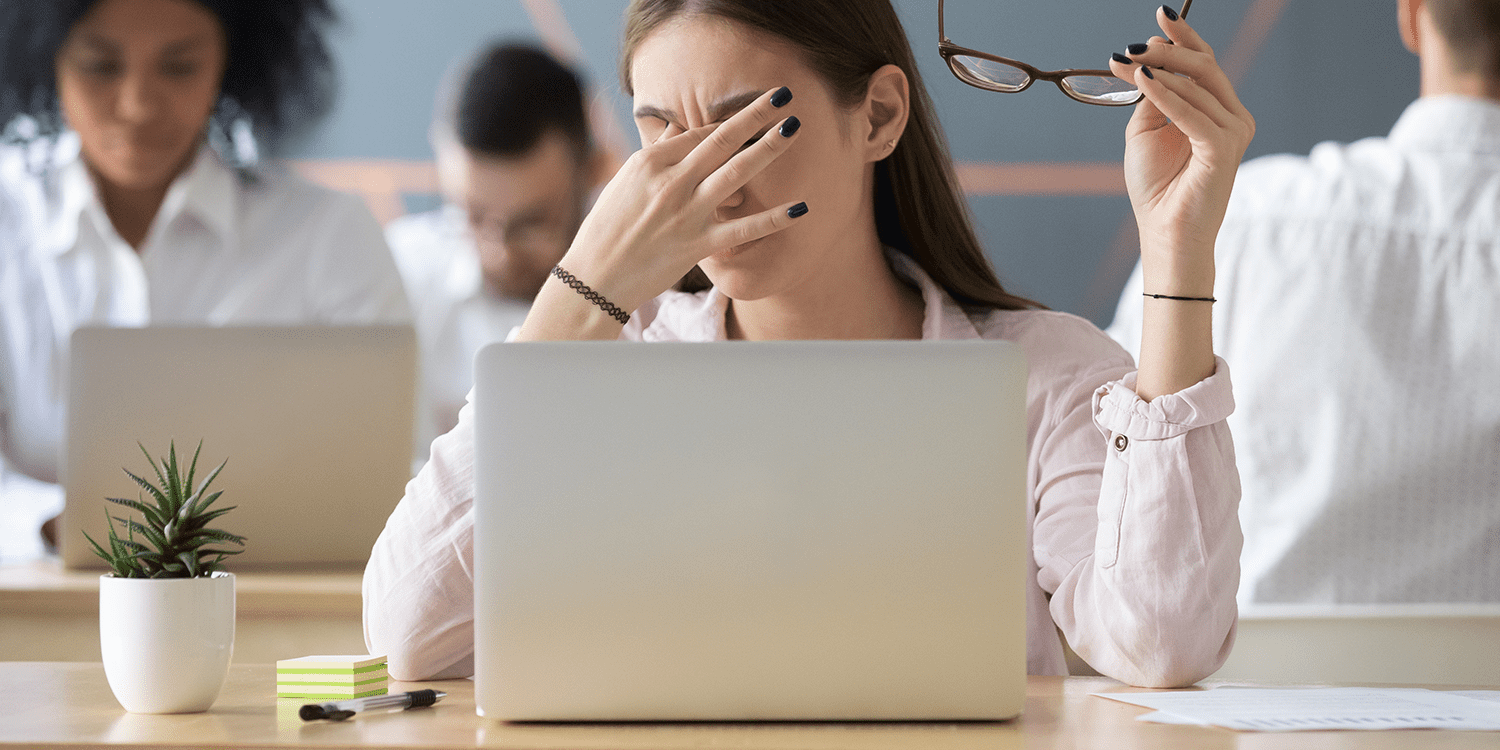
1121 59
1169 13
1137 49
781 97
1147 71
790 126
797 210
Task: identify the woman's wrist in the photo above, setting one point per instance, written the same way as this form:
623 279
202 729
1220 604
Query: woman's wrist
561 314
1178 272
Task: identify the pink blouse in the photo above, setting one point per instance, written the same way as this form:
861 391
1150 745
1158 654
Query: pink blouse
1133 507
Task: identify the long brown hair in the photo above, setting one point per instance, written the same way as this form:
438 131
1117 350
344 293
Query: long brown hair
919 209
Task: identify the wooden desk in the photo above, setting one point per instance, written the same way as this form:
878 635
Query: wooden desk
69 705
51 614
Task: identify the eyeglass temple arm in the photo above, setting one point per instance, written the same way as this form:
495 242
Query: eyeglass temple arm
943 35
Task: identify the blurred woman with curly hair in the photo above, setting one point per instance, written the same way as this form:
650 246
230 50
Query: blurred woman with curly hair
132 193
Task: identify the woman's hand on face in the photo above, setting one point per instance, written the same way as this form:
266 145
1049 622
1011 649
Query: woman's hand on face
1182 148
658 217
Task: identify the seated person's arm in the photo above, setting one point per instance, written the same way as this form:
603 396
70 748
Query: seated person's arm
419 583
1137 535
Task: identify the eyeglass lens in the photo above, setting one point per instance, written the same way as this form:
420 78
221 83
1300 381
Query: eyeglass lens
998 76
990 74
1101 88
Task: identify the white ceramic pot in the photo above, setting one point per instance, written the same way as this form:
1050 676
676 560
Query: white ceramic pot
166 642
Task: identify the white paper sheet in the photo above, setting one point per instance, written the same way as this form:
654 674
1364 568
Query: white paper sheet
1298 709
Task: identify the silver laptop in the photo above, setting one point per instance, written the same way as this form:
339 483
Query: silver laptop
731 531
316 423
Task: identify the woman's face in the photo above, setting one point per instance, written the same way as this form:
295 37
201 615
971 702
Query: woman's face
689 69
138 80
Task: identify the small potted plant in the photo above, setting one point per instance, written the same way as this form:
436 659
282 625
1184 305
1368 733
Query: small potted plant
166 609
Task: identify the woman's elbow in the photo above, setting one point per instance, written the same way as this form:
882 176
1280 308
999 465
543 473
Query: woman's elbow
1169 663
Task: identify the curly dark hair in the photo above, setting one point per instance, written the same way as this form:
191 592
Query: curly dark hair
279 72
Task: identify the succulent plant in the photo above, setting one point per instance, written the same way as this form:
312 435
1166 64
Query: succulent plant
172 539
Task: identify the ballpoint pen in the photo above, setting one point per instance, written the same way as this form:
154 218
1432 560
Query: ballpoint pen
340 710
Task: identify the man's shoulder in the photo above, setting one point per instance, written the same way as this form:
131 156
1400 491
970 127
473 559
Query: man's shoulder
1300 180
424 230
427 244
275 190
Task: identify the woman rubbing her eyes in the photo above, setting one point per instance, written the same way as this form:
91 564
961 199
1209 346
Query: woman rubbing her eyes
792 156
129 196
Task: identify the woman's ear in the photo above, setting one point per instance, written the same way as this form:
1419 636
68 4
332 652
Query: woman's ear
887 105
1406 18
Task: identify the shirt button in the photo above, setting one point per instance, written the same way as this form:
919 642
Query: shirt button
1121 442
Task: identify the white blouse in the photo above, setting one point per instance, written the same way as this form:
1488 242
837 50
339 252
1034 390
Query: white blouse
228 247
1134 540
1359 294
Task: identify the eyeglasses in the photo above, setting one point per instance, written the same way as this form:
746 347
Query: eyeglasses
1007 76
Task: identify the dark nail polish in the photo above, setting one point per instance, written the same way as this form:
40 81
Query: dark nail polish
781 97
1137 49
1147 71
1121 59
1169 13
797 210
790 127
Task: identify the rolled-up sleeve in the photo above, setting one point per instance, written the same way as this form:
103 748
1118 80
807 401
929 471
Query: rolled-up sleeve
419 582
1147 594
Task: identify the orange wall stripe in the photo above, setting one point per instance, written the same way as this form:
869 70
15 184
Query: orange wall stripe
1042 178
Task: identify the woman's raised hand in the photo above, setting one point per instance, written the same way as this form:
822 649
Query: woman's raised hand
1182 149
658 217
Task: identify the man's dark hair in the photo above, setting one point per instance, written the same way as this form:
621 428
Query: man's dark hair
1472 30
512 95
279 73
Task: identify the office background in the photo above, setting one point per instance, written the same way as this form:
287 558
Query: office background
1042 171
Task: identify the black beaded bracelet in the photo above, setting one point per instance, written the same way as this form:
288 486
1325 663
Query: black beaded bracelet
591 295
1179 299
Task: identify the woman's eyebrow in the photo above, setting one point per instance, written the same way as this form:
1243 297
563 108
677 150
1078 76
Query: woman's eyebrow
719 111
181 46
98 43
190 44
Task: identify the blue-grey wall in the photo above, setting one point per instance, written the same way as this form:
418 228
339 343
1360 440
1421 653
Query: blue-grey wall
1327 69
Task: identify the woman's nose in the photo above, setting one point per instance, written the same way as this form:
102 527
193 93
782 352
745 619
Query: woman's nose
139 99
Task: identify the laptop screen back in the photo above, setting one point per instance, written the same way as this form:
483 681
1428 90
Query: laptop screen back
801 530
316 424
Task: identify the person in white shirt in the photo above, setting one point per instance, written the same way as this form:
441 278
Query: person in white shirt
1359 293
516 166
793 157
128 197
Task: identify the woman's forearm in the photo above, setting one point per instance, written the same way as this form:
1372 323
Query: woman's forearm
1176 335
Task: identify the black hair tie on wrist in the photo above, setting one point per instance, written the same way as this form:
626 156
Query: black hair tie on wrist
1179 299
591 295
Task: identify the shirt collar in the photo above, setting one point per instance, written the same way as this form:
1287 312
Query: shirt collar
1450 123
205 191
700 317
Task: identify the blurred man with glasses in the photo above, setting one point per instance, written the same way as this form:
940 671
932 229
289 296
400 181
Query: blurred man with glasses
517 166
1359 304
